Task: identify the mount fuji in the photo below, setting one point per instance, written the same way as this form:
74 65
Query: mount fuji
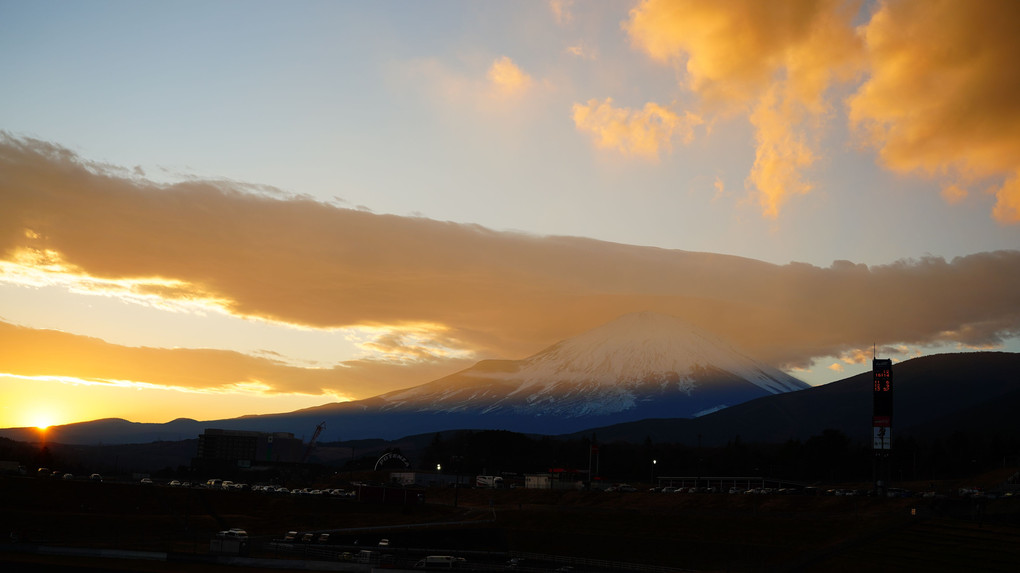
641 365
639 362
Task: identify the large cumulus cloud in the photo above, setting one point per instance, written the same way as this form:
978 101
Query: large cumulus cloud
943 94
933 85
772 64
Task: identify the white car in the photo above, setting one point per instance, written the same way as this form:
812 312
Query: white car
234 533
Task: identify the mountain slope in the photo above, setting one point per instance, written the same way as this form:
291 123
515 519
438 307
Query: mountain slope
934 396
644 362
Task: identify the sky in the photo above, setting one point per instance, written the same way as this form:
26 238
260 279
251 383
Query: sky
211 209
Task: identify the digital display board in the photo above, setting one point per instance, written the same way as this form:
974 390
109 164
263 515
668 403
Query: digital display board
883 388
882 403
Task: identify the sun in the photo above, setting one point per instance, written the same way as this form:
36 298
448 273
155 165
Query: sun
41 420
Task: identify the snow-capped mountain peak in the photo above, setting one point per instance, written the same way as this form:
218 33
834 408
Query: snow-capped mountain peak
642 347
639 365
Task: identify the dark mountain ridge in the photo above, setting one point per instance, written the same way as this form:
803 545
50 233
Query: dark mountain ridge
933 396
952 410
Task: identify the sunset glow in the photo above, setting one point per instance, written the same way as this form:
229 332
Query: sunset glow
325 202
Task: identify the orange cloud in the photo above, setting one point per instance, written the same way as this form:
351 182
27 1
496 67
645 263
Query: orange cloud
438 293
733 51
942 91
634 132
483 87
562 11
780 156
582 51
1007 205
507 78
55 355
774 64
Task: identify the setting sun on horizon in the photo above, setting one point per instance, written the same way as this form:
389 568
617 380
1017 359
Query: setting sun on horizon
209 210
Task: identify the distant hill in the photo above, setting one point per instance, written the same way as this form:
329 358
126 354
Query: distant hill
935 396
111 431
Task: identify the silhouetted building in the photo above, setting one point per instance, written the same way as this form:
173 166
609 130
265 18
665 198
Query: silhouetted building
240 449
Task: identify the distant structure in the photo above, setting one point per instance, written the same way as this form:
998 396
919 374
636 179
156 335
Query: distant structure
882 406
881 420
234 449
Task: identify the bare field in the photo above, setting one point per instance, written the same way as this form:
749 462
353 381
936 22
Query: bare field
706 532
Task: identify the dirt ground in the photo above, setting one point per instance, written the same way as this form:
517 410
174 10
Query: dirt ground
703 532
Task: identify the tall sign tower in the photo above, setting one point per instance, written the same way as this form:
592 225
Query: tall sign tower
882 406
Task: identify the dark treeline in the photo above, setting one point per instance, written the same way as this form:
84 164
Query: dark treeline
828 457
158 458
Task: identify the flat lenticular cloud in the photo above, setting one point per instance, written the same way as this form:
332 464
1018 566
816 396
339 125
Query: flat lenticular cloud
442 294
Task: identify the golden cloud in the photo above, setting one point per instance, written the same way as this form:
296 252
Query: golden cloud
942 91
443 291
562 11
507 78
55 355
746 56
483 87
634 132
733 51
1007 205
780 156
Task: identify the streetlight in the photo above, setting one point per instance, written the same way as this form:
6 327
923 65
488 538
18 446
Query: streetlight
653 471
439 467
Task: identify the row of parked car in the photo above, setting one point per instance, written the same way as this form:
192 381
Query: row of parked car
47 473
298 537
731 490
304 491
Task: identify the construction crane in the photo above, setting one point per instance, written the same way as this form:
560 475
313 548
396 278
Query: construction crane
311 443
